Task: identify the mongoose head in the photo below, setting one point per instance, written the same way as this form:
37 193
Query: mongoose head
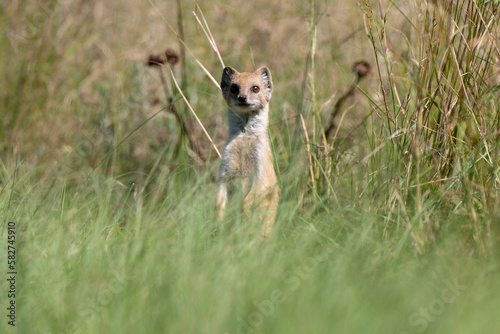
246 92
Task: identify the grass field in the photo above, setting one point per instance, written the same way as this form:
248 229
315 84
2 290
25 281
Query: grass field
389 222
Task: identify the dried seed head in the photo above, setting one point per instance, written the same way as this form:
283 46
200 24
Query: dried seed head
362 68
155 60
172 56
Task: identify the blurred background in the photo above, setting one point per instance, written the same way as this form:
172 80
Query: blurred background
76 81
384 126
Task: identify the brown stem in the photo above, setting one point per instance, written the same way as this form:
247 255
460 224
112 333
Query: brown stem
185 129
337 107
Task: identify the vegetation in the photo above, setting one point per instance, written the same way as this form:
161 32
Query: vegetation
385 130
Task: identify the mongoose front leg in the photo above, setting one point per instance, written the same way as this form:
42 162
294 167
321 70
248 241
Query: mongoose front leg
270 210
265 203
221 200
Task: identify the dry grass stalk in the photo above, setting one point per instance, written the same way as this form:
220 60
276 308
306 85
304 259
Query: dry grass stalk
206 29
306 135
180 26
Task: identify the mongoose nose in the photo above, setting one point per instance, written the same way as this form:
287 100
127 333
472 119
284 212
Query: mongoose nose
242 98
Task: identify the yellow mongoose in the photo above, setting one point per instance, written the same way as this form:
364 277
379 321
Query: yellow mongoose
247 156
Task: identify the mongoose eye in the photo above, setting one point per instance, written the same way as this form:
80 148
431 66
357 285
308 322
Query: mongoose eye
235 89
255 89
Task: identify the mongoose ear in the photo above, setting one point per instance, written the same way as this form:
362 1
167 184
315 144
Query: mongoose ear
227 77
267 79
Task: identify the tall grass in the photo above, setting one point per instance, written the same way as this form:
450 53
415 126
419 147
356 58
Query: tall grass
387 224
439 107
